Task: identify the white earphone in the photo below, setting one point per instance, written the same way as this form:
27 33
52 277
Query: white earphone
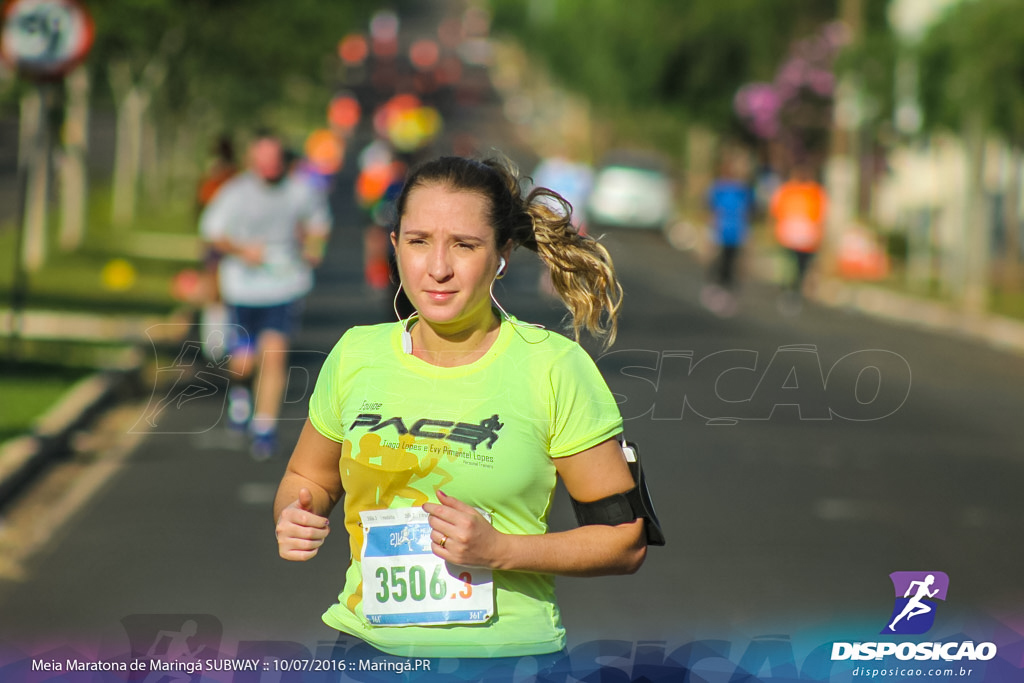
501 267
406 339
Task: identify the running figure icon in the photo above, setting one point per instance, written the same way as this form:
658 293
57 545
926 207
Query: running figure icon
917 594
916 605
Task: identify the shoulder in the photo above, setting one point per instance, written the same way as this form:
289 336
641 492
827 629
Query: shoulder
240 182
237 188
527 336
229 198
546 351
301 187
360 341
361 337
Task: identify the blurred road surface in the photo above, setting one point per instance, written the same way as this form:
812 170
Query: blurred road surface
795 463
812 457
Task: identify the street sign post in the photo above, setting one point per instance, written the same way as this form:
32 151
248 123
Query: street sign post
42 40
45 39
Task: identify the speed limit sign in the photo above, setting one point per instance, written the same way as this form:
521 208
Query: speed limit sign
45 38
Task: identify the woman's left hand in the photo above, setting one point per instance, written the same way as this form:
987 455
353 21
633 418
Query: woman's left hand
461 535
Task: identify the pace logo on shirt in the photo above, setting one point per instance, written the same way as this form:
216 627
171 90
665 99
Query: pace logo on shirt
484 432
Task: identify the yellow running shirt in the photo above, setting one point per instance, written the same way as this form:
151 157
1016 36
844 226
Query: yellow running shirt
485 433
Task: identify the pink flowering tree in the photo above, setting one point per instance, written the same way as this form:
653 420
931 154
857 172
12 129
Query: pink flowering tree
795 109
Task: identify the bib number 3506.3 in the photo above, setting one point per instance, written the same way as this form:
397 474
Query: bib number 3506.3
405 584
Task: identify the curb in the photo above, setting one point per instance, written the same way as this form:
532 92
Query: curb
1000 332
50 440
52 435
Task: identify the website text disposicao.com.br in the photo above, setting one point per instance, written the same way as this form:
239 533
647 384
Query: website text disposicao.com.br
952 653
902 673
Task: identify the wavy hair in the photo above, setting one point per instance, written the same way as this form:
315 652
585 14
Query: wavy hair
581 268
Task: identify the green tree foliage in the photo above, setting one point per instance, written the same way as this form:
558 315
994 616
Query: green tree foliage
687 57
972 64
235 56
870 60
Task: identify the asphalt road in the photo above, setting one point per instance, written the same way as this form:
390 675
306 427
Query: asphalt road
795 463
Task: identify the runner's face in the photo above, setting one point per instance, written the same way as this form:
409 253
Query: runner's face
267 158
447 256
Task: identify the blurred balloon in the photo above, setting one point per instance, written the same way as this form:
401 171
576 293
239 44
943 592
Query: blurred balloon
344 112
406 123
353 49
372 183
376 246
384 25
118 275
394 107
411 130
324 151
377 153
186 285
384 31
424 54
450 32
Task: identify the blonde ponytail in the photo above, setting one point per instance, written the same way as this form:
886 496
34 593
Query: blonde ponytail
582 271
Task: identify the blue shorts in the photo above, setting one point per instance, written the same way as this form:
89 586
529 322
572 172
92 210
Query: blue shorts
252 321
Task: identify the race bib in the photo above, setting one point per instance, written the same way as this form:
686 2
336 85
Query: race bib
799 233
405 584
281 261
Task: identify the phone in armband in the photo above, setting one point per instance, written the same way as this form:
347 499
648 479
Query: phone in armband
620 508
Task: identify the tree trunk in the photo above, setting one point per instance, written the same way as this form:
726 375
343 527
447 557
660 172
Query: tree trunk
34 245
952 217
73 172
919 251
153 169
133 99
29 118
1011 219
977 231
182 159
127 159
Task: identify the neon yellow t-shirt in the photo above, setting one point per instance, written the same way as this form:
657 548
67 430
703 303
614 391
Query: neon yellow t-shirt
484 433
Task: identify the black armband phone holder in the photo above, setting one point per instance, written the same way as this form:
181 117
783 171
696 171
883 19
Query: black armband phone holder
620 508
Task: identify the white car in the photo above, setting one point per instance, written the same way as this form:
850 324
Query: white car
631 190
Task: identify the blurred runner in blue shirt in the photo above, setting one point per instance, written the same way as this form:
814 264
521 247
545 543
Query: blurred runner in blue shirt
731 202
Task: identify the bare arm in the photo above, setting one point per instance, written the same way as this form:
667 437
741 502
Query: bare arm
251 253
314 243
314 229
309 490
592 550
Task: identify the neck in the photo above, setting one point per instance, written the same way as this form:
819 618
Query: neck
451 346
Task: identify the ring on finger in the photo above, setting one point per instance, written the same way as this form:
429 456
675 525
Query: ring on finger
443 541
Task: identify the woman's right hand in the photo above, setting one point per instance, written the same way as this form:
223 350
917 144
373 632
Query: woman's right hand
300 531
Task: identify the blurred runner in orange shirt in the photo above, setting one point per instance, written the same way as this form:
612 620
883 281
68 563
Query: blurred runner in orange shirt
222 169
798 209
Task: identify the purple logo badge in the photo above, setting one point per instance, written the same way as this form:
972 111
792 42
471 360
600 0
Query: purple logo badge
916 593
